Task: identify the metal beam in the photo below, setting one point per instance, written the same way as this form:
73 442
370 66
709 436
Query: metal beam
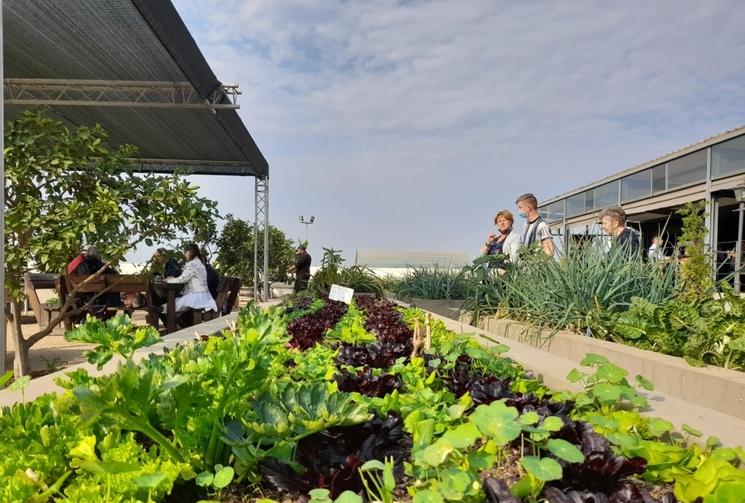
116 93
261 231
3 300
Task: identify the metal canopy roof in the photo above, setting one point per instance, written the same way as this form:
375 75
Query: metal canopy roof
133 67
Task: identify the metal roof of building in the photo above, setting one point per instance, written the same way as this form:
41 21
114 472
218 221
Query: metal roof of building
133 67
724 136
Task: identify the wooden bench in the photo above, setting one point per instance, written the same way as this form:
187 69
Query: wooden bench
110 283
44 311
227 292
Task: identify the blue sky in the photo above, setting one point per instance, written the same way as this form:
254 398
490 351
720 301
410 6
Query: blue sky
407 125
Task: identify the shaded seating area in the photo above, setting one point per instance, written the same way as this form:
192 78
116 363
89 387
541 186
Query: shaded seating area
84 285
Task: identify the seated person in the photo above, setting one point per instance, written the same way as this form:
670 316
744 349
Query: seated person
213 279
171 268
91 263
196 294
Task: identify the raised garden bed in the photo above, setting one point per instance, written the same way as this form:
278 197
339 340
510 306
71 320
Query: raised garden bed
373 401
716 388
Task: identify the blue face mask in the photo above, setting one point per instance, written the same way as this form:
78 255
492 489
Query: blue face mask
522 214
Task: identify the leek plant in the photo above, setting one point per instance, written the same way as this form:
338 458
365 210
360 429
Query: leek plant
432 283
570 292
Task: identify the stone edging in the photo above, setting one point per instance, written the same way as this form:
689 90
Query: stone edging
709 386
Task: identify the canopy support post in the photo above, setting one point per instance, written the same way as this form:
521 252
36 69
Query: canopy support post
3 300
261 232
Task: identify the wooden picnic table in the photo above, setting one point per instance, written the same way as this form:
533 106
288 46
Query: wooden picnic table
170 290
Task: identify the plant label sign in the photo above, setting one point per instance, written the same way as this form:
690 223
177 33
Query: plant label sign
341 293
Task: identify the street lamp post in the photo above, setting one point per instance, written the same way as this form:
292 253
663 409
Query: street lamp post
307 223
740 198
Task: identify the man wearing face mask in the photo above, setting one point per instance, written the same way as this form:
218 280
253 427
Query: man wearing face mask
536 229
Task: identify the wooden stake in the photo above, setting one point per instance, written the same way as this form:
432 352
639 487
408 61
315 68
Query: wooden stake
415 341
427 333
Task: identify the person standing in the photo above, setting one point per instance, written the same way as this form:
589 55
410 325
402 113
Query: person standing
507 242
536 229
655 251
301 268
613 221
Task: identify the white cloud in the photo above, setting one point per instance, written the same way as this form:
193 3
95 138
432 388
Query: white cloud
405 125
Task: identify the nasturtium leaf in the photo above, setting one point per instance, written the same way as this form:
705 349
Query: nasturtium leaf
725 454
544 469
150 480
463 436
523 487
658 427
611 373
435 454
204 479
319 496
737 344
713 442
565 450
574 375
606 392
428 496
497 421
552 423
531 417
223 477
348 497
644 383
592 358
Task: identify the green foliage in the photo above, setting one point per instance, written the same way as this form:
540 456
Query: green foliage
566 294
708 330
607 389
351 328
378 480
432 283
66 188
695 270
235 251
359 278
114 336
283 416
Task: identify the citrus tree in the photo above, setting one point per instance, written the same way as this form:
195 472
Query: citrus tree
235 251
66 187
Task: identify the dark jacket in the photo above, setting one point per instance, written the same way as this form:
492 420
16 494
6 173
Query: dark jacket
171 269
302 266
629 241
213 280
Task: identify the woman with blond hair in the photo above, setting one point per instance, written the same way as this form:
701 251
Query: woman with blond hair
505 242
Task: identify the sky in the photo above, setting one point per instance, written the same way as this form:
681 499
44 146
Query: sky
406 125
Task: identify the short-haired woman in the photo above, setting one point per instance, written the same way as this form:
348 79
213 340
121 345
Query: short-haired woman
506 242
196 293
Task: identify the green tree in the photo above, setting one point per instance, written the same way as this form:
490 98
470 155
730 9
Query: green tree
695 270
235 251
66 187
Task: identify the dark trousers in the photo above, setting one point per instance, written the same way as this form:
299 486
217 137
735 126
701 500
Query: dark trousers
301 284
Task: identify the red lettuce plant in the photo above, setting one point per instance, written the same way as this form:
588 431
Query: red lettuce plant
363 381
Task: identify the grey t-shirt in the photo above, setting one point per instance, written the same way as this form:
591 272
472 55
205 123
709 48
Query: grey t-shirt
536 232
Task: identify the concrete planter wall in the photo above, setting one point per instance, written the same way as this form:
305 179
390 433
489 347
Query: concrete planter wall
713 387
447 308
